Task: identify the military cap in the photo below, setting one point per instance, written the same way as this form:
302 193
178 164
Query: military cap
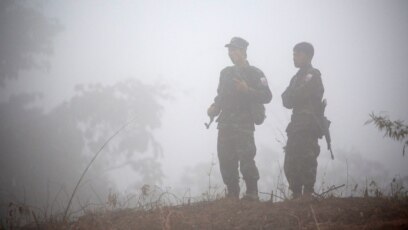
238 42
304 47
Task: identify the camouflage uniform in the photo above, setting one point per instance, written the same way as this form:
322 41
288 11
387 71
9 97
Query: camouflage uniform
236 147
304 96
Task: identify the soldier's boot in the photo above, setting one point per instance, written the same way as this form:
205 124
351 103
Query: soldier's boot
251 190
296 191
308 192
296 195
233 191
308 189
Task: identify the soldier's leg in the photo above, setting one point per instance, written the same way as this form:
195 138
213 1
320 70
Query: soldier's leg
310 166
228 161
246 150
293 164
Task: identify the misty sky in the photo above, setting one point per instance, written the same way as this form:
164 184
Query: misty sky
360 48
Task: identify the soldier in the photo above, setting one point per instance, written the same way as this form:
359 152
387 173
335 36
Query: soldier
304 97
242 88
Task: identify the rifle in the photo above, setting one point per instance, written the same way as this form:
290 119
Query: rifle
237 74
207 125
324 125
326 134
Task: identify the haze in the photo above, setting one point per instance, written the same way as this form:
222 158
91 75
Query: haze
360 48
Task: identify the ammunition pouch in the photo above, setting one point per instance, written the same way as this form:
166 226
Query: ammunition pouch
258 113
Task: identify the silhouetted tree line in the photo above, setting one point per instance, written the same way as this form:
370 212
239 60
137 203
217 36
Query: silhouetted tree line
44 153
26 38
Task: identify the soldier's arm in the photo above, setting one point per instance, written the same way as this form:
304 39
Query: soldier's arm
220 97
287 96
260 93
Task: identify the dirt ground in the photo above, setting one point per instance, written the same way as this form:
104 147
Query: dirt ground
329 213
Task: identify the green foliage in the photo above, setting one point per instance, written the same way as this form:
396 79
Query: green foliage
396 130
26 38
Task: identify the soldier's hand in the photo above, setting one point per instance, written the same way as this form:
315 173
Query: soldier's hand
241 85
213 111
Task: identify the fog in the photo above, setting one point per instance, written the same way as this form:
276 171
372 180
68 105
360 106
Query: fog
360 48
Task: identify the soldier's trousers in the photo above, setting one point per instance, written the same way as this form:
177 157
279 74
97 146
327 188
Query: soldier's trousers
236 149
300 164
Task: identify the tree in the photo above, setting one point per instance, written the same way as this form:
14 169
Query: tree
26 38
396 130
43 154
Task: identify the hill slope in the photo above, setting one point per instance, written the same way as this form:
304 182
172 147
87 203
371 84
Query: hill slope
330 213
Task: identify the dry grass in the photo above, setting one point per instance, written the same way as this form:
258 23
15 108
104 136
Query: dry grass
329 213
